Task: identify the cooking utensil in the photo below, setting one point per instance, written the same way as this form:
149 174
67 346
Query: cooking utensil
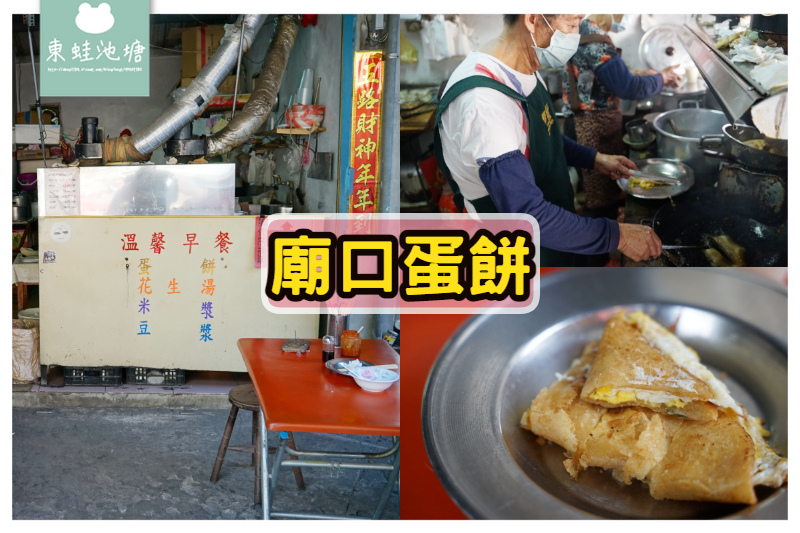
661 168
492 368
661 47
654 177
680 247
639 145
753 194
692 220
651 117
638 130
693 124
731 145
674 126
321 167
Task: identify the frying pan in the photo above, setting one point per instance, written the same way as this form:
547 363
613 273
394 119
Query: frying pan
693 222
733 143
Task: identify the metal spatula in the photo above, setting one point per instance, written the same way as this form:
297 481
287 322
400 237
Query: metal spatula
654 177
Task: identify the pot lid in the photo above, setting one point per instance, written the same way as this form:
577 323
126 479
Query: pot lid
660 47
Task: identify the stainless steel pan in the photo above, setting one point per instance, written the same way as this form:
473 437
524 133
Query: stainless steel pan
731 145
492 368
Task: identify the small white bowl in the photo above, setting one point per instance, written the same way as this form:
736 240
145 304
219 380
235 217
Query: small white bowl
374 379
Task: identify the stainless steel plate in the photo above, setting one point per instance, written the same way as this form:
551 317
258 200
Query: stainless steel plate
664 167
337 365
492 368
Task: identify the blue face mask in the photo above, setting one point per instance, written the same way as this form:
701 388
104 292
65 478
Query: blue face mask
562 47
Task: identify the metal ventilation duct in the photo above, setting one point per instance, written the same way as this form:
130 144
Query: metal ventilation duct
197 96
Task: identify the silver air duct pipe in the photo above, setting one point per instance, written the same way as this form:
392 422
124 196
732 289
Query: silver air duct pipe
257 109
197 96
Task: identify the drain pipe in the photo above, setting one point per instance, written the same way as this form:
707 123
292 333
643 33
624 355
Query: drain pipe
257 109
194 100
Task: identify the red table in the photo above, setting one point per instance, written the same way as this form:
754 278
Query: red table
298 393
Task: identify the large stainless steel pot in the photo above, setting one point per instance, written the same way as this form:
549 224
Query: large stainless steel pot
692 124
731 145
686 96
20 208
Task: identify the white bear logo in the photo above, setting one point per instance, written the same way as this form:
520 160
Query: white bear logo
94 20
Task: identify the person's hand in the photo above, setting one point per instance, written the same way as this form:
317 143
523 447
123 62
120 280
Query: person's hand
638 242
671 77
648 72
615 166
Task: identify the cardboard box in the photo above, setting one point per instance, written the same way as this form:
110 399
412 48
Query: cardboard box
32 117
25 155
29 134
227 86
26 167
199 44
49 112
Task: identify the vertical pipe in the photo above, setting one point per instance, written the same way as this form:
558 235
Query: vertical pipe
346 116
387 489
266 495
389 188
238 71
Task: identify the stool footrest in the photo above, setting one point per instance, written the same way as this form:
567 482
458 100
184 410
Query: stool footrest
245 448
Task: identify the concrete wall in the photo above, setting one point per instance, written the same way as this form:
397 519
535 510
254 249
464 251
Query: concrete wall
114 114
320 48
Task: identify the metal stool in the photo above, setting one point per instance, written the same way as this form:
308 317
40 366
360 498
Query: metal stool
244 397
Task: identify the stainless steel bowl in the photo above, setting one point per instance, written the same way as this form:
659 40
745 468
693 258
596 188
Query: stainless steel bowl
492 368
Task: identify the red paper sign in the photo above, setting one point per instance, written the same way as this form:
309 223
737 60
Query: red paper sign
365 149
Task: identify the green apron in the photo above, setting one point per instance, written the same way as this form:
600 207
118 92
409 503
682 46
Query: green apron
547 160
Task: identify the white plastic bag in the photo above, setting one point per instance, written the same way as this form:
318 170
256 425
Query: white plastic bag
429 50
255 170
463 38
269 169
25 350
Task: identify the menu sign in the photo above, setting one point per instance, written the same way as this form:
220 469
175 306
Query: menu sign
62 192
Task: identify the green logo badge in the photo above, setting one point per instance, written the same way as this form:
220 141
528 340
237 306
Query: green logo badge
95 48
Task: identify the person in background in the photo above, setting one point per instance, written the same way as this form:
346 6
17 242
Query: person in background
596 78
498 143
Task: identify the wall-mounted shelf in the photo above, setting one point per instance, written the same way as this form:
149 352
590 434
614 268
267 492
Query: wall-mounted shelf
292 131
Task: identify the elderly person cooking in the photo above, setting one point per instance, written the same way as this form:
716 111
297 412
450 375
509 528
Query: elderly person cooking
498 142
596 78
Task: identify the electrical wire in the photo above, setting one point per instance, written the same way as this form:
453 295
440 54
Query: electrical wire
369 32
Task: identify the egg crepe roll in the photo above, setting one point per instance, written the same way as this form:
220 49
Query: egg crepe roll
632 369
719 459
732 250
707 461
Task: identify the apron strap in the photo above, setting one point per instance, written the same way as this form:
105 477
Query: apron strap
452 93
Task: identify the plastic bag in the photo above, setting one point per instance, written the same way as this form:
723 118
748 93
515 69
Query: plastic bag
269 168
408 54
255 170
292 158
25 350
463 38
